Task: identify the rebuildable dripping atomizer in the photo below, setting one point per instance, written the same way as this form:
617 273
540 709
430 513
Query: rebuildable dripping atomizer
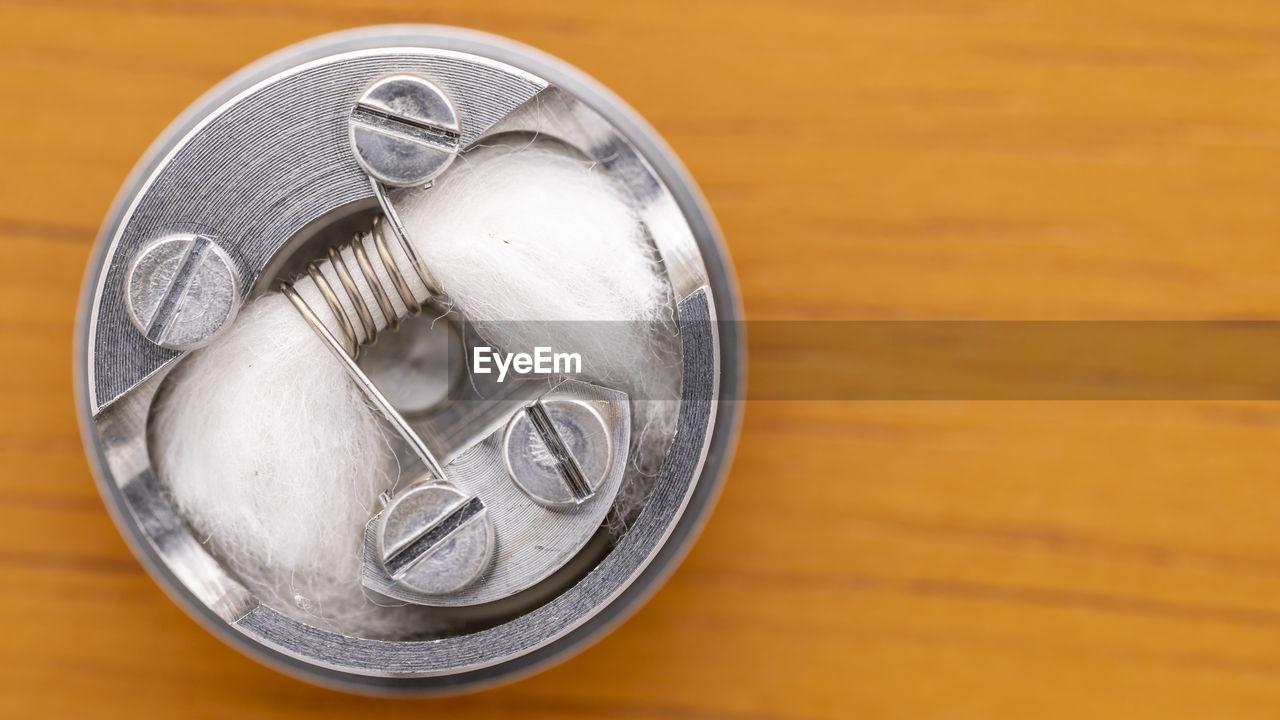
280 344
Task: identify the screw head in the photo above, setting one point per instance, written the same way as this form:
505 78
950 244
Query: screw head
404 130
181 291
558 451
434 539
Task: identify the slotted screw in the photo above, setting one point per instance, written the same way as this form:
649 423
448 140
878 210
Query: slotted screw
181 290
558 451
435 539
404 130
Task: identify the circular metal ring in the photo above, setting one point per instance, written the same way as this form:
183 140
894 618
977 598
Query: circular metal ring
306 87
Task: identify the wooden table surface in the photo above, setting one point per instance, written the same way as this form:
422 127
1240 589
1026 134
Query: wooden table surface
868 160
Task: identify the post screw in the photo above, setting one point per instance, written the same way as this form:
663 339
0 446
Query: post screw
404 130
181 290
558 451
434 539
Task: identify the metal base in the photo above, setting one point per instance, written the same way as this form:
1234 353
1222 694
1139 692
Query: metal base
117 369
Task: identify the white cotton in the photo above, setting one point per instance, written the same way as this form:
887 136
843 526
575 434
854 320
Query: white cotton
271 453
273 457
539 247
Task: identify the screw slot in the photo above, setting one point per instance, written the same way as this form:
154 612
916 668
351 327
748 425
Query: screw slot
559 452
404 130
435 539
181 291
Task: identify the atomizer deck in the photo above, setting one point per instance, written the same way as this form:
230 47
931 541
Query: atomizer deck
500 533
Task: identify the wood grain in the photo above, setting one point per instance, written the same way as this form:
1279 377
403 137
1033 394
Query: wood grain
875 159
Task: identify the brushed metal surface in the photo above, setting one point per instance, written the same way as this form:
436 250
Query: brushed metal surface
260 168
